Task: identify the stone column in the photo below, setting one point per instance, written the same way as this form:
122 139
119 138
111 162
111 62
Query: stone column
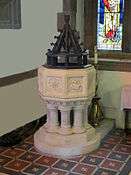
78 126
65 127
52 118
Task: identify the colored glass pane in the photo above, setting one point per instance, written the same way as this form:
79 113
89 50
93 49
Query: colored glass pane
109 24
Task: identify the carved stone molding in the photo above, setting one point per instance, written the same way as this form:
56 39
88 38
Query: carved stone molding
68 85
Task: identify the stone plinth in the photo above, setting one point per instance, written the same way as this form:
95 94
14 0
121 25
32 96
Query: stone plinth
66 90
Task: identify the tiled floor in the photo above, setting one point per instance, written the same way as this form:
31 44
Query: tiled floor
112 158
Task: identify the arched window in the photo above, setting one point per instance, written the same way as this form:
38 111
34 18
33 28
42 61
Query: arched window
110 24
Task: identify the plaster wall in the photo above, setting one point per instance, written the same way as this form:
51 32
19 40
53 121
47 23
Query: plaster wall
110 87
19 104
24 49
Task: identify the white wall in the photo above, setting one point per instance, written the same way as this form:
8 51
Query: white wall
22 49
110 87
19 104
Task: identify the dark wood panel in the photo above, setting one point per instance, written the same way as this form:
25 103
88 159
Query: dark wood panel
113 65
12 79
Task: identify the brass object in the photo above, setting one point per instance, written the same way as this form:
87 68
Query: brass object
95 115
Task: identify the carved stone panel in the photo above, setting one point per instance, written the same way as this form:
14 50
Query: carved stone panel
75 84
54 83
10 14
68 84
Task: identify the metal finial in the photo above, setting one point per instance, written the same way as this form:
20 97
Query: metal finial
67 19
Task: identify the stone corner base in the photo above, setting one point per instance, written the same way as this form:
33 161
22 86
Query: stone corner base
72 145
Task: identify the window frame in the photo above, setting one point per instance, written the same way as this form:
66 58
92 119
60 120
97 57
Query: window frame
90 32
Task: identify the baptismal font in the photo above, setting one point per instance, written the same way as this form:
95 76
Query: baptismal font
66 83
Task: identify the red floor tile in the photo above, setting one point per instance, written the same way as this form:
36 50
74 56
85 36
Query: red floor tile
84 169
48 161
100 152
123 148
109 159
111 164
17 165
53 171
13 152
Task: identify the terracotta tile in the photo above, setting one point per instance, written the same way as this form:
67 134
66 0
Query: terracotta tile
53 171
73 174
34 150
112 164
35 169
76 159
13 152
100 152
30 139
84 169
17 165
127 168
48 161
126 142
117 132
106 145
9 172
92 160
4 160
123 148
28 156
118 156
102 171
110 158
128 137
113 140
64 165
24 146
2 149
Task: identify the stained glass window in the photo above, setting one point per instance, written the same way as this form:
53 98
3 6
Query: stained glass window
109 24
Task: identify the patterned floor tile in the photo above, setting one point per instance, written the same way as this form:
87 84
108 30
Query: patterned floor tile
117 132
17 165
113 139
34 150
106 145
128 136
76 159
74 174
4 160
112 164
25 146
126 142
30 140
53 171
35 169
127 168
123 148
84 169
9 172
13 152
102 171
118 156
112 158
100 152
64 165
29 156
92 160
45 160
2 149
